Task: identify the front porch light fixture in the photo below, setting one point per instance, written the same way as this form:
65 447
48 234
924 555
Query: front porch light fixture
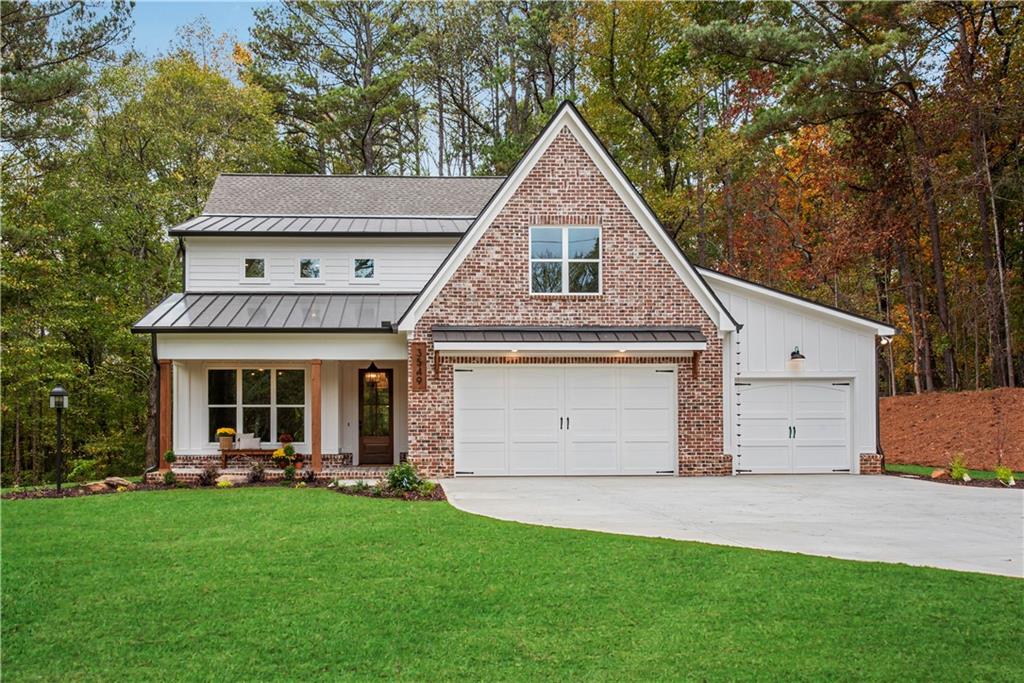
796 360
372 372
59 401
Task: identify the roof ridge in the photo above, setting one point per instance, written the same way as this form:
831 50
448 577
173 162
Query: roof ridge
357 175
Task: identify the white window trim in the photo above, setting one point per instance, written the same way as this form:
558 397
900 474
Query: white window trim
565 261
299 280
242 279
352 279
273 405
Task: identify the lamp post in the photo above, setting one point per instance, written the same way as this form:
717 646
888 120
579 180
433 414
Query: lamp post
59 401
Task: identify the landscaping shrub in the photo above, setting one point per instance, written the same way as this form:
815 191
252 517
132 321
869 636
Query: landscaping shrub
257 473
426 487
225 484
170 478
403 477
289 473
958 467
308 475
85 470
1005 475
170 457
208 475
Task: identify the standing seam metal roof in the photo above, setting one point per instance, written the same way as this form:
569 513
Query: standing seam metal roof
274 312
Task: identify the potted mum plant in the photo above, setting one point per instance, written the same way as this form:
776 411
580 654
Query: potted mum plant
281 458
226 436
296 458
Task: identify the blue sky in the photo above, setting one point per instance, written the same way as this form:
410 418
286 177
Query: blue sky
156 21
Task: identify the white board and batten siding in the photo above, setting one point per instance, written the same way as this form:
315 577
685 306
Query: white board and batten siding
819 419
214 264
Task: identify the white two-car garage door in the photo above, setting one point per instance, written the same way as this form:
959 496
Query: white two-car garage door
557 420
794 426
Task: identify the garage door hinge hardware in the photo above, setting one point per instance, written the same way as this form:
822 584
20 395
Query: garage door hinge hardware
664 472
840 384
670 371
743 384
463 370
844 470
462 472
742 471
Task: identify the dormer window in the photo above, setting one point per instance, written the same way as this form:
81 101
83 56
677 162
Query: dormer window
309 270
364 271
565 260
254 269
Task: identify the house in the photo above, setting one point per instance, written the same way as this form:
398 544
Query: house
542 323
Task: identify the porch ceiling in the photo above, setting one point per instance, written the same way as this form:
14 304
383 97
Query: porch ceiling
275 312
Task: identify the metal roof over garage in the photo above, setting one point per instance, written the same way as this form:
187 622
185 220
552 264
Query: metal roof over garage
275 312
578 335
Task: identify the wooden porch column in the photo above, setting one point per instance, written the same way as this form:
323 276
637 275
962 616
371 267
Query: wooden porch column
164 414
314 418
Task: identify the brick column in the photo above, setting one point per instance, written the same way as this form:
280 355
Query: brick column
314 418
164 442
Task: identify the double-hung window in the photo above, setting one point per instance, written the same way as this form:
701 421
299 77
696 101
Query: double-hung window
565 260
267 402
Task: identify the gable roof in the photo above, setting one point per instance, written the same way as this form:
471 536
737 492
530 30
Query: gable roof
567 116
331 195
880 328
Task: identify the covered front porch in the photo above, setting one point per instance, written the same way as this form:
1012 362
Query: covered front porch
339 397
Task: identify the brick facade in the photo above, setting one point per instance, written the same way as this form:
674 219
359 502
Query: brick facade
870 463
639 287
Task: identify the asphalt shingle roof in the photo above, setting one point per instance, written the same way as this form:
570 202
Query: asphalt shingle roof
320 195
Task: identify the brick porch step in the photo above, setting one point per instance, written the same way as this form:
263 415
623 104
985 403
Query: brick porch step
190 473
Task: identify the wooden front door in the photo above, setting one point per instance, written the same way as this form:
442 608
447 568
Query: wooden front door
376 418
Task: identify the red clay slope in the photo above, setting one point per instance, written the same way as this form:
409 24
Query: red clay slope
928 429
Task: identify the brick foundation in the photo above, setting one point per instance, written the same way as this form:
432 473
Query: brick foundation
870 463
639 288
706 466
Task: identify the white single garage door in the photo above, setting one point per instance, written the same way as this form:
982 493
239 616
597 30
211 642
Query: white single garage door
793 426
553 420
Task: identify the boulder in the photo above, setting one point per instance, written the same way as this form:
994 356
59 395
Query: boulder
96 487
235 479
114 482
940 474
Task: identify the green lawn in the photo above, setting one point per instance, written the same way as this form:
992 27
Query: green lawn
272 584
925 471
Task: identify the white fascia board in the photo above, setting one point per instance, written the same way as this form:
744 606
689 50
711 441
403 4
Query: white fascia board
567 117
576 347
879 329
280 346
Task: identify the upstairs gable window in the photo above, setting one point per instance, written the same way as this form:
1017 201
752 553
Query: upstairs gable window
565 260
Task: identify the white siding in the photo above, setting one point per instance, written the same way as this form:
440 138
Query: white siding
833 347
214 264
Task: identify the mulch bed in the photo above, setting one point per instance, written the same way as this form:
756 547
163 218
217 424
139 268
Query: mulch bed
435 495
79 491
929 429
979 483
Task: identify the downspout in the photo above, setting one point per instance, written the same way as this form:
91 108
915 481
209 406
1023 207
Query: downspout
184 270
878 400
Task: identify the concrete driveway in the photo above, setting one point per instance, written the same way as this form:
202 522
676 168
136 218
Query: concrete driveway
875 518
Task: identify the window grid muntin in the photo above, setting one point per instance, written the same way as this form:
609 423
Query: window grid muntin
565 260
239 406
